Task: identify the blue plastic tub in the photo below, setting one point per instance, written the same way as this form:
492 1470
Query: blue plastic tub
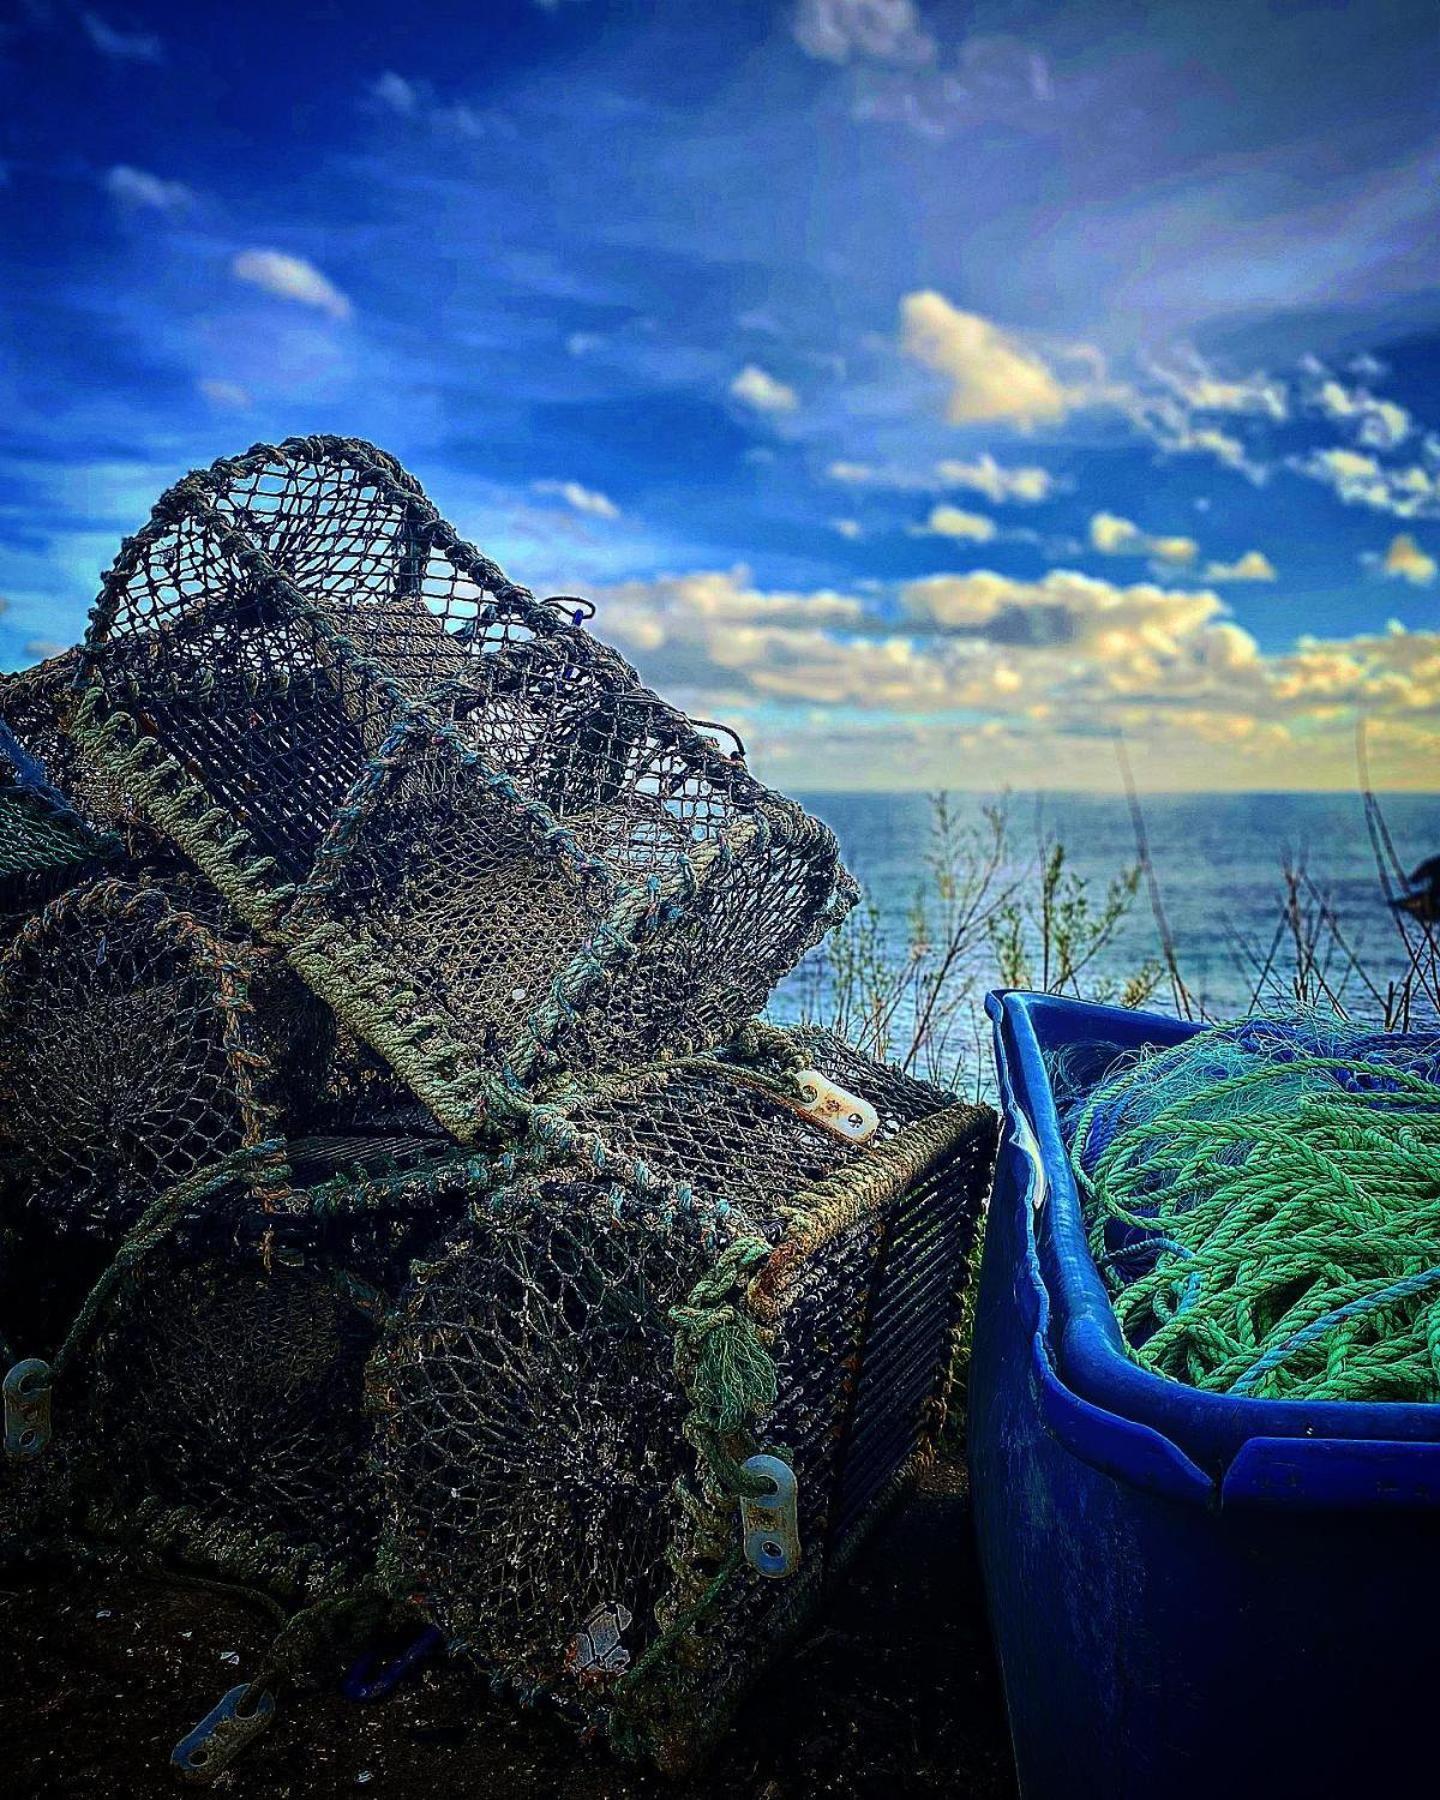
1191 1593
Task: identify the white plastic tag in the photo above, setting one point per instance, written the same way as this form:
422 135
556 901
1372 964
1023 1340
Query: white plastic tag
846 1115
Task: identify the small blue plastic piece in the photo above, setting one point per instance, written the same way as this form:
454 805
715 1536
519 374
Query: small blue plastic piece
364 1682
222 1734
26 1390
770 1522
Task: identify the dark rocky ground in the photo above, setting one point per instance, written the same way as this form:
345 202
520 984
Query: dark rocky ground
890 1691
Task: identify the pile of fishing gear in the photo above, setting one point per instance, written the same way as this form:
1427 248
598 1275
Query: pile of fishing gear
1263 1201
403 1213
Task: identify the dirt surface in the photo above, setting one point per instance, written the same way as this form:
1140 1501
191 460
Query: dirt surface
890 1691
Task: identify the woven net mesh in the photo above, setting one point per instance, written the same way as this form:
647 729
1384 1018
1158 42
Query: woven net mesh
427 750
45 846
227 1373
237 1394
131 1052
543 1480
532 1425
37 706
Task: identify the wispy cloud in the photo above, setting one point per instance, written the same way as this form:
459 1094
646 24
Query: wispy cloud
417 101
123 46
1360 479
761 392
226 396
395 93
1201 390
291 278
883 31
579 499
1379 424
138 188
1027 483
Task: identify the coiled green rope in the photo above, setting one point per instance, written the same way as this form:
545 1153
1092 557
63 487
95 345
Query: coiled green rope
1265 1208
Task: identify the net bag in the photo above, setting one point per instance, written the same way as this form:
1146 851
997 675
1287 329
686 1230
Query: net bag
477 836
676 1272
136 1046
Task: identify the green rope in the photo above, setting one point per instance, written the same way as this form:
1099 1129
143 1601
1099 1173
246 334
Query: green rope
723 1365
1269 1223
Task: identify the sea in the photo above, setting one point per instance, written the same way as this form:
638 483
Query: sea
1219 862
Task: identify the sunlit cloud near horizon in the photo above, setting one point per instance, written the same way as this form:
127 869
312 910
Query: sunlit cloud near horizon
936 392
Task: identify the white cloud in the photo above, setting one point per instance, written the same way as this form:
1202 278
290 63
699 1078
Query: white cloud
1114 536
752 387
951 522
1362 480
416 101
1254 565
579 499
985 476
847 528
992 375
883 31
396 93
134 187
857 474
1201 390
228 396
1406 561
123 46
1380 424
1060 661
291 278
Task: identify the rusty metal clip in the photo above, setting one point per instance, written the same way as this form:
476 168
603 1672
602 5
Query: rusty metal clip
844 1114
770 1522
222 1734
27 1408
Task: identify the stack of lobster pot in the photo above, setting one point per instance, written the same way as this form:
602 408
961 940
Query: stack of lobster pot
438 1227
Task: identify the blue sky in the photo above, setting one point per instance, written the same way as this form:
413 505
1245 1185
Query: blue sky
934 390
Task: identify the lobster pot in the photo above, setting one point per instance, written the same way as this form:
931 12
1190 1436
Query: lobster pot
136 1046
37 706
324 697
566 1396
44 846
222 1397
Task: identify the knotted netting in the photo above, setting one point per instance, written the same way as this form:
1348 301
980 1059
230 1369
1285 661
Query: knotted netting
677 1269
218 1368
132 1050
479 838
37 706
45 846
